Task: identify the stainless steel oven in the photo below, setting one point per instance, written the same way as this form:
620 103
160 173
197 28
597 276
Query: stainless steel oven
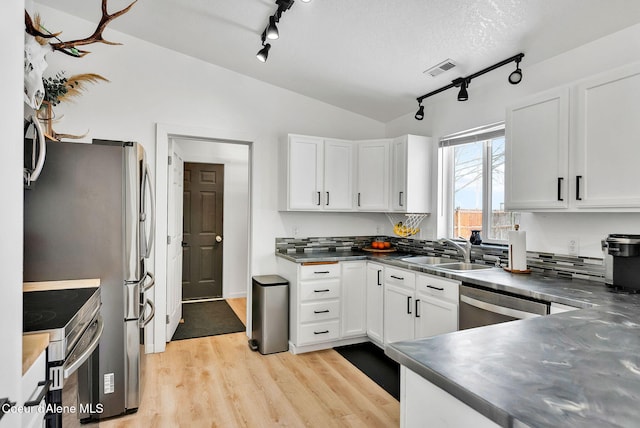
480 307
72 319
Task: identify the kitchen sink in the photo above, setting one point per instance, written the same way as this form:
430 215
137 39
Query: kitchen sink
462 266
426 260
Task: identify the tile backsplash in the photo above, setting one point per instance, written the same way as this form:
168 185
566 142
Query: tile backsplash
589 268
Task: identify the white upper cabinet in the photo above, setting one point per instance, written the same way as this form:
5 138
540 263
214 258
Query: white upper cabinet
318 174
372 184
607 149
338 175
537 149
576 147
411 158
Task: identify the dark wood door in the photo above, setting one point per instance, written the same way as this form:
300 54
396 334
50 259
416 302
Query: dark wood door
202 226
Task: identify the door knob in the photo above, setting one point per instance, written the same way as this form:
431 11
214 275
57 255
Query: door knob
218 238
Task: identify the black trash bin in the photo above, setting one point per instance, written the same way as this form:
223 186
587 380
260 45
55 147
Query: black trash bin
269 314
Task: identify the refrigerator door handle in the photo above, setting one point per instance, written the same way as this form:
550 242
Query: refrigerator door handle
148 240
150 284
144 321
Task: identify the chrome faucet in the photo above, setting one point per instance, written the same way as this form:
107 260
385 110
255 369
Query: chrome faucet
465 251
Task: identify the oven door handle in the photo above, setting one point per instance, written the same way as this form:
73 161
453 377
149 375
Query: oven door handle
514 313
73 362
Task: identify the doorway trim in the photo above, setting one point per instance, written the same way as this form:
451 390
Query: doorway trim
155 340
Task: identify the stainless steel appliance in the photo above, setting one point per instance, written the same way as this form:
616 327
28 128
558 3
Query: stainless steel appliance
480 307
86 217
624 270
72 319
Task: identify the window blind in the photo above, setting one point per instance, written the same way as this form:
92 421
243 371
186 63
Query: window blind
481 133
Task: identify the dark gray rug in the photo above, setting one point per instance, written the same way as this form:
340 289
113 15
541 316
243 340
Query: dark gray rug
373 362
204 319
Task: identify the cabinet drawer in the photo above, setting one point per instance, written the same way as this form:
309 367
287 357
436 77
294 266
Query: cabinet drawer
319 332
320 271
442 288
400 277
324 289
319 311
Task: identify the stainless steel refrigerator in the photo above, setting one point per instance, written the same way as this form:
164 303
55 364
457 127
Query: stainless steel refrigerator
90 215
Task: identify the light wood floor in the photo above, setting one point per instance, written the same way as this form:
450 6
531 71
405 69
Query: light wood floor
219 382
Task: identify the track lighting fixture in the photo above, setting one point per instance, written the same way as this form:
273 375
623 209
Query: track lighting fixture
516 76
263 53
463 82
463 95
420 113
271 30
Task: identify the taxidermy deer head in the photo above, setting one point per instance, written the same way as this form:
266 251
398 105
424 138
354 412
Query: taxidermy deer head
37 46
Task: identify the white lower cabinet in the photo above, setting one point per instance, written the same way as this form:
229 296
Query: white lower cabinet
327 303
354 299
33 384
375 302
418 305
422 404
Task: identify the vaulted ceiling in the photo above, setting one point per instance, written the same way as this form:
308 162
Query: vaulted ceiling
366 56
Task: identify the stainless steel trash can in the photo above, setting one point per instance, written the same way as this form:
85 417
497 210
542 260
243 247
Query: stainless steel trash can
270 314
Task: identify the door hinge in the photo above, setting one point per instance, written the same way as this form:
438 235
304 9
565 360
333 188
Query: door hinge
170 160
167 319
168 240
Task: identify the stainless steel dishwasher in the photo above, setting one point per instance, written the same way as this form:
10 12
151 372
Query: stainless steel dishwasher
479 307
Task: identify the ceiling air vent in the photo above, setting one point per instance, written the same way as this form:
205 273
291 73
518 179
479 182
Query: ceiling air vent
445 65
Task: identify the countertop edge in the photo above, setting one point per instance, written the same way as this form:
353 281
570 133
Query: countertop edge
60 285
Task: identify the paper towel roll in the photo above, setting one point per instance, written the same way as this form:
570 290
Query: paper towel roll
517 250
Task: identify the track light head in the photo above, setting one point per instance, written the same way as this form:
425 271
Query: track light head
463 95
516 76
272 29
420 113
263 53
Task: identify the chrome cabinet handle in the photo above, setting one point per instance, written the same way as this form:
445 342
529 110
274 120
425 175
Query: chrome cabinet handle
400 197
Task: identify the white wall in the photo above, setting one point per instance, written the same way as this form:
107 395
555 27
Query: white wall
11 112
488 98
235 158
152 85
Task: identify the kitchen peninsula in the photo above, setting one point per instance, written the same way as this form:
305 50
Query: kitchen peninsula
575 368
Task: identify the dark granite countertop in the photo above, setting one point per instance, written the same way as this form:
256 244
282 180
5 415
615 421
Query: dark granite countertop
574 369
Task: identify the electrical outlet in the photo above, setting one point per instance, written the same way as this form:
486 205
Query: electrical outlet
294 231
573 246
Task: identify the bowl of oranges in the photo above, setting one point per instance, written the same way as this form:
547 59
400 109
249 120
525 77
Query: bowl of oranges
380 247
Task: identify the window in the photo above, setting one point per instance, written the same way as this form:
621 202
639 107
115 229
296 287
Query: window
473 185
